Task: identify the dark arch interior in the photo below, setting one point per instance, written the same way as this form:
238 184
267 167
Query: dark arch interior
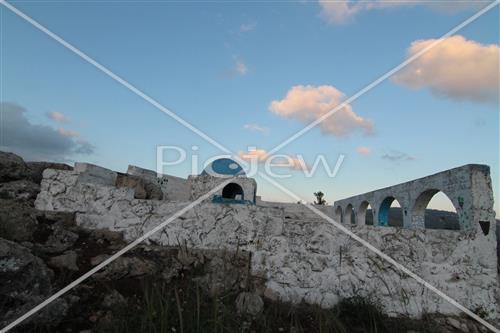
350 213
232 191
338 215
390 216
366 209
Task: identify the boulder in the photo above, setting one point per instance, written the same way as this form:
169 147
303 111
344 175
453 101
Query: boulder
144 188
114 299
12 167
24 283
124 266
134 182
59 240
67 261
19 190
36 169
17 220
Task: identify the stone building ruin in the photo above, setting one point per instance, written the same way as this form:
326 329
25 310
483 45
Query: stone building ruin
468 187
300 256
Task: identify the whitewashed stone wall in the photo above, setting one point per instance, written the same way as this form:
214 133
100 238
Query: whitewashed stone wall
468 187
300 256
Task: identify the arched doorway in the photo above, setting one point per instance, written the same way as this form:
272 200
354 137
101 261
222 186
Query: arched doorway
232 191
365 214
437 210
390 213
350 216
338 215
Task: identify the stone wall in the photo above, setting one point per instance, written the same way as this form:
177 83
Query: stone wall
468 187
300 256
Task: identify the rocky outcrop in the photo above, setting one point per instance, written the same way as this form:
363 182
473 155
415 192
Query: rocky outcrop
12 167
25 281
36 169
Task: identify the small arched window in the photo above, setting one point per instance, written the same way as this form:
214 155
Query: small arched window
232 191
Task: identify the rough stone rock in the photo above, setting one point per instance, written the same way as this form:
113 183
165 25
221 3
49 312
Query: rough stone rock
59 240
124 267
114 299
36 169
24 283
17 220
19 190
105 235
145 187
153 190
134 182
67 260
12 167
249 303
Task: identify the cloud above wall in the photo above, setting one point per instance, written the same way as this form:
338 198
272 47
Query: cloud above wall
309 103
254 127
340 12
455 68
38 142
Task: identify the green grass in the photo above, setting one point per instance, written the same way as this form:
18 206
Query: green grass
183 307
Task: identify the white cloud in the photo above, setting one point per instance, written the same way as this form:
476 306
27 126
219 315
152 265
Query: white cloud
38 142
259 154
240 67
343 11
256 128
309 103
57 116
397 156
363 150
456 68
68 133
246 27
284 161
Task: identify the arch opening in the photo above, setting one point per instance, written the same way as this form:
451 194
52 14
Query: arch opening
339 215
437 211
350 215
232 191
365 214
390 213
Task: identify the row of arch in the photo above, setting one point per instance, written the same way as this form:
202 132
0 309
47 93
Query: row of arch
388 214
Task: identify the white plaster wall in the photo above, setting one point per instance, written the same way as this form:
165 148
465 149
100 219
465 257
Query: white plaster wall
301 257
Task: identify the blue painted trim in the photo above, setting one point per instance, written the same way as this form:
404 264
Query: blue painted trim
383 213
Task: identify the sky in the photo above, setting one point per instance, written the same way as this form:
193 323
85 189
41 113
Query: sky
252 74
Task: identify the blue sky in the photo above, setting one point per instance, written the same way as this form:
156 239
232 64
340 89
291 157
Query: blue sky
221 65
